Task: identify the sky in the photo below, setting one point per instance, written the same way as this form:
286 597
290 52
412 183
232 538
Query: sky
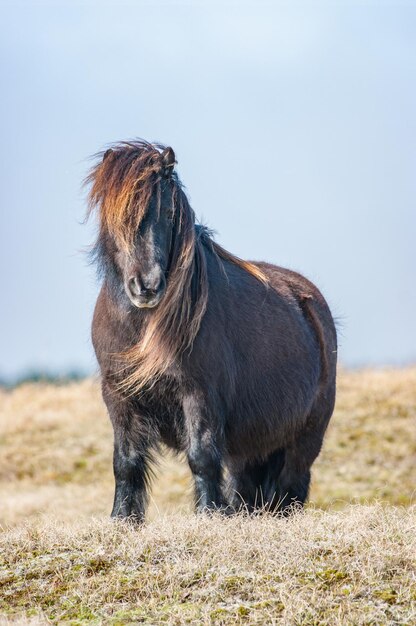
295 133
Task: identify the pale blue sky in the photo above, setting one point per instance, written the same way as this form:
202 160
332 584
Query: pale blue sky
294 127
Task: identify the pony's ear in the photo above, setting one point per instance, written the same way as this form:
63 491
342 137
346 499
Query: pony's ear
168 160
107 153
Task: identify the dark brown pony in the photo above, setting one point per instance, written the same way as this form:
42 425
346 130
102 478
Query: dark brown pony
231 362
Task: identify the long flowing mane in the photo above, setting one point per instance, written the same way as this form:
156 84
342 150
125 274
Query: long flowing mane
122 184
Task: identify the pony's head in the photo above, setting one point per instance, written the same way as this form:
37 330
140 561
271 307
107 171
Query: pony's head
152 254
137 194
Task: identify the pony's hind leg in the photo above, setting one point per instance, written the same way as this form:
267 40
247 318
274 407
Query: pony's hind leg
294 481
274 468
254 487
295 478
245 487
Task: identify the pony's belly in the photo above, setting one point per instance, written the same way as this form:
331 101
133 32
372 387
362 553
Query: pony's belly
172 441
255 443
171 431
256 436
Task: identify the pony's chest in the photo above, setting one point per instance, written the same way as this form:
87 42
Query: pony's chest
164 404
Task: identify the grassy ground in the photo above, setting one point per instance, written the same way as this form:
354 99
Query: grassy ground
339 563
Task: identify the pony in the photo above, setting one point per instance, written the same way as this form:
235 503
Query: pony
230 362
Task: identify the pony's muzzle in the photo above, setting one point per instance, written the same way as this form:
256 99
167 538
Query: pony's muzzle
146 293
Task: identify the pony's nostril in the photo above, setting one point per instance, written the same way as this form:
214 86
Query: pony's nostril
134 287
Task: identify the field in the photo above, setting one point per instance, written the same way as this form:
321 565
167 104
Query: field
349 559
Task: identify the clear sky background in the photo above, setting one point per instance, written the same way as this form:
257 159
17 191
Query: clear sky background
294 126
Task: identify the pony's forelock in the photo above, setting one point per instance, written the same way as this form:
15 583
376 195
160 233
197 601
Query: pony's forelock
122 184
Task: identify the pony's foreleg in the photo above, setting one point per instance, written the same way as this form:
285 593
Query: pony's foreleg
204 453
130 461
130 473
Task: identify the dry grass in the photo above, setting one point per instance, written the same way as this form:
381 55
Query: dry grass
355 566
349 566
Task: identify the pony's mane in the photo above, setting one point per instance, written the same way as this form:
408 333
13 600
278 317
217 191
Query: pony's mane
123 182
